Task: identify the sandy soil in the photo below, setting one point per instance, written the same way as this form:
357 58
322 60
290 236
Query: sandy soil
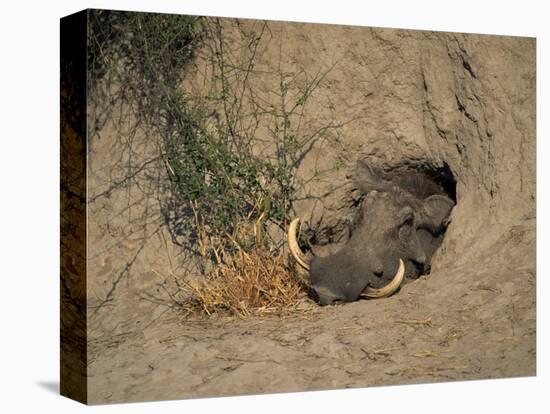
433 330
464 100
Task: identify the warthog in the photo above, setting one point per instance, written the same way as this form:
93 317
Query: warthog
399 225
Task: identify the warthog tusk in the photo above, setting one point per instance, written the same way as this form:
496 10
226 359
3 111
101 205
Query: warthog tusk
389 288
293 245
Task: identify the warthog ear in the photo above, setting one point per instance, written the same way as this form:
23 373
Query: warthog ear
435 212
369 179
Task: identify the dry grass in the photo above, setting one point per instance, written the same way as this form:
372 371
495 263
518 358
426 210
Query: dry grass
422 322
247 284
244 281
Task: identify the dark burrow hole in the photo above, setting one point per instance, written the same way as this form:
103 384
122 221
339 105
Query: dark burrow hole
427 179
445 178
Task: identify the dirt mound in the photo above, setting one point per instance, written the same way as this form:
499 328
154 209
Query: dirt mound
459 102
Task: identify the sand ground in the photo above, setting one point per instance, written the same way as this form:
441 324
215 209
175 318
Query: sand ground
464 100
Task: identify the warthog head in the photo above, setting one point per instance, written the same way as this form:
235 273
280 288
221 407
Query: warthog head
399 225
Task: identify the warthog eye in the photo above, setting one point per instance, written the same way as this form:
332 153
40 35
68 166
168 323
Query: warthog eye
408 220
